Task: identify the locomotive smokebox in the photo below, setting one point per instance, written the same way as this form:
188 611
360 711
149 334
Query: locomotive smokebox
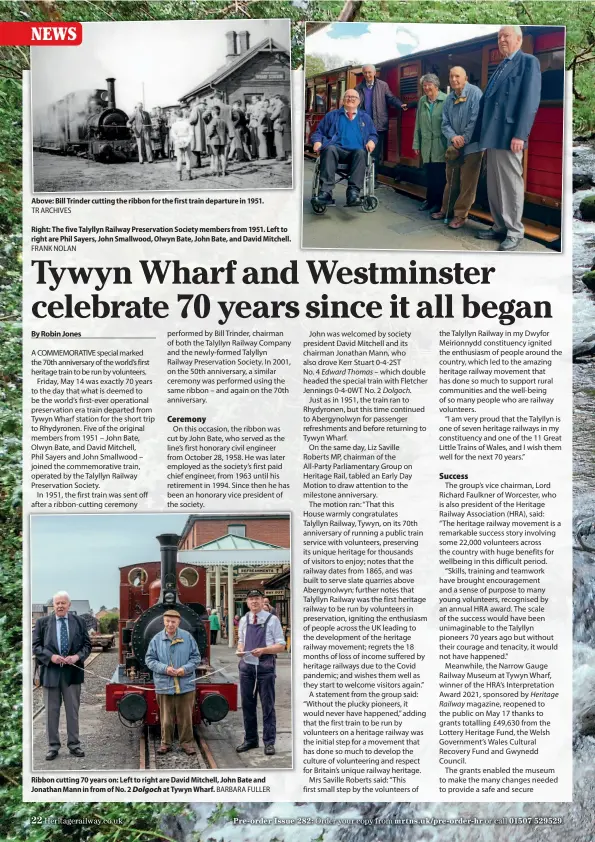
169 557
111 92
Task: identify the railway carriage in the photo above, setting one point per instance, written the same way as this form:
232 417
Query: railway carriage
146 592
480 57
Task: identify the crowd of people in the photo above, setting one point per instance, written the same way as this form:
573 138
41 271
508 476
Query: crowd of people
453 131
214 131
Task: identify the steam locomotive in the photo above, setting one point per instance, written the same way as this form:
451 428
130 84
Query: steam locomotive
146 592
85 123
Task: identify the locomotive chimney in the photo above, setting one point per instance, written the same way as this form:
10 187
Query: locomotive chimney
169 557
231 46
244 39
111 92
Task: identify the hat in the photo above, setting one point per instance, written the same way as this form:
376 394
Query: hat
254 592
171 612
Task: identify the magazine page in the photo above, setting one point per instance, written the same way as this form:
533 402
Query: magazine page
298 518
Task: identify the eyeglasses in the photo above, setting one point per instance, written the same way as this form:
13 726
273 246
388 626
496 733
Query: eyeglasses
351 97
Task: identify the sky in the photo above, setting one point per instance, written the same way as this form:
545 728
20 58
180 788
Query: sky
374 42
81 554
169 57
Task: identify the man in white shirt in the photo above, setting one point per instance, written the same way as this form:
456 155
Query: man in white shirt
260 638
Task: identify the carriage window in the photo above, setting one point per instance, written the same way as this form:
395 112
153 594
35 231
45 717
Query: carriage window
553 60
332 96
309 98
552 74
341 90
321 98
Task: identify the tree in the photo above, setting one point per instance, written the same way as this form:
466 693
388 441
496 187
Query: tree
109 624
314 65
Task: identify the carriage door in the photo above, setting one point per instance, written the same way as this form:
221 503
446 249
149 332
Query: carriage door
400 149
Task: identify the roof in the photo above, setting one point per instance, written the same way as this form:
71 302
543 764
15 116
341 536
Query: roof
459 45
233 517
266 45
38 608
233 549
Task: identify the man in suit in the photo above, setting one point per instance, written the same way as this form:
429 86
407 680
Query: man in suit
375 97
506 114
61 645
140 123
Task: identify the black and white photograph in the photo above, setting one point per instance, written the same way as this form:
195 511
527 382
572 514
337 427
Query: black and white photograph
164 105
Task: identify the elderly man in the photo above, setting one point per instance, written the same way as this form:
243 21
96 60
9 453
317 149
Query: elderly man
463 158
173 657
61 645
343 136
140 123
260 638
506 115
375 98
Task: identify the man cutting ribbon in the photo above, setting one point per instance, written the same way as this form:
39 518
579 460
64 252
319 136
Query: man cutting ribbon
260 639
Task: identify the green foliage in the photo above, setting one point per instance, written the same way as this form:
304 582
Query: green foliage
109 624
314 65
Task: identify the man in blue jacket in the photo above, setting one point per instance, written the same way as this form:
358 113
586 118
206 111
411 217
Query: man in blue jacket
344 136
173 657
506 114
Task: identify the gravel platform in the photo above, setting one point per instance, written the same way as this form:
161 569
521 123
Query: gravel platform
106 742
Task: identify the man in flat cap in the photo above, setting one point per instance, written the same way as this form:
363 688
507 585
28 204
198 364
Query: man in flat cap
260 638
173 657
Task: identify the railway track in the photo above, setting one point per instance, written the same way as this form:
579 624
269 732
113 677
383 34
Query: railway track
177 758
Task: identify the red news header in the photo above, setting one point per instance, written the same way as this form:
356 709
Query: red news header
30 34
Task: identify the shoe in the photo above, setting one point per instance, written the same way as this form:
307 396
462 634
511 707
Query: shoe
141 162
438 215
510 244
246 746
424 206
325 198
352 197
52 754
188 748
77 752
457 222
163 749
434 209
490 234
269 748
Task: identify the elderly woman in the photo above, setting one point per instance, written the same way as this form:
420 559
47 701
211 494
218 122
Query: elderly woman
429 142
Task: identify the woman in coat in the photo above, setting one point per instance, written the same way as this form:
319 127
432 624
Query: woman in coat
239 148
199 140
429 142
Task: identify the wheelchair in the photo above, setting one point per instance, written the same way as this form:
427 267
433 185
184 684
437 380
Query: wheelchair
367 200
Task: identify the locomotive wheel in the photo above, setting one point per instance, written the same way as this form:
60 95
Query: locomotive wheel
317 207
369 204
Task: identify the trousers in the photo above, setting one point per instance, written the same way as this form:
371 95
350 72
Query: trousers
506 191
436 179
143 145
265 688
54 697
461 185
172 709
332 156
